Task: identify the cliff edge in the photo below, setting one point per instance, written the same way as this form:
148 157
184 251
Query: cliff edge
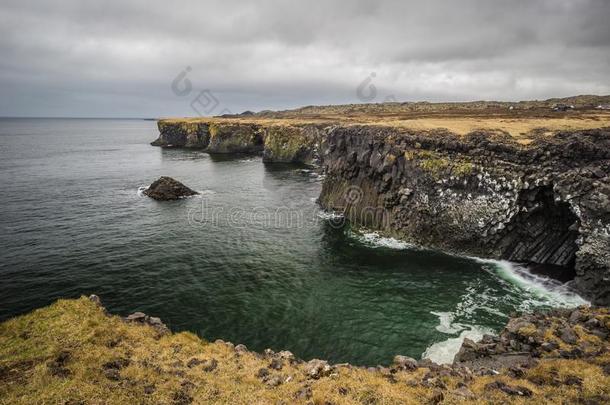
74 352
525 182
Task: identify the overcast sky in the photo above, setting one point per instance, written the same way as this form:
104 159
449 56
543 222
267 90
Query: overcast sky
120 58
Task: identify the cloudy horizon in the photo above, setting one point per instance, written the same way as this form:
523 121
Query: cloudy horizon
125 59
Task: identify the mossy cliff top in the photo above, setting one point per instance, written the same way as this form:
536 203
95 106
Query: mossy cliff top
523 121
73 352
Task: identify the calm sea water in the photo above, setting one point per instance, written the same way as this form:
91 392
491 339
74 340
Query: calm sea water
253 260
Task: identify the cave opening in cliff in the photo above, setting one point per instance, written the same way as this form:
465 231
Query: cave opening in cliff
543 234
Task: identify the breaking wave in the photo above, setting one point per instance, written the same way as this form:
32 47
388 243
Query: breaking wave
527 292
375 240
540 290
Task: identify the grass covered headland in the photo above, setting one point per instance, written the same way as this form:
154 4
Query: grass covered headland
74 352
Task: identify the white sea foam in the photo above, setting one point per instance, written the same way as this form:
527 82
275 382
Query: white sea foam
375 240
446 324
540 290
203 193
537 291
141 191
443 352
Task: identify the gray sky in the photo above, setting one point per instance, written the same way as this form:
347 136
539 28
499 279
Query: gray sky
119 58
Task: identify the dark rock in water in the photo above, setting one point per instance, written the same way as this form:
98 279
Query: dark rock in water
166 188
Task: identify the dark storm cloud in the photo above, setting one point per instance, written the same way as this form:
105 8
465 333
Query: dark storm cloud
81 58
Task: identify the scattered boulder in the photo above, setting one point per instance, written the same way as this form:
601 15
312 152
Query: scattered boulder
276 364
141 317
568 336
262 373
405 363
241 349
112 374
549 346
304 393
57 367
95 299
317 368
464 393
437 397
194 362
274 381
509 389
166 188
181 397
286 355
210 365
136 317
573 380
116 364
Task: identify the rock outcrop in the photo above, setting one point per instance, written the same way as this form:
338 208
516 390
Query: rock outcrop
166 188
214 138
580 333
294 144
276 142
482 194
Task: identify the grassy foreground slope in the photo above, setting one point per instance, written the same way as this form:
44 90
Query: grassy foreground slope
73 352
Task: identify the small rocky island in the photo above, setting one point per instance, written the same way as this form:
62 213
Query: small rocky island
166 188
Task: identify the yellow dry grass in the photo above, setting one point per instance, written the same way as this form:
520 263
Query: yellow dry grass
522 128
156 369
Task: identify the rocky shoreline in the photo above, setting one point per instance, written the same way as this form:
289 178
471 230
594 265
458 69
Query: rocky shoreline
545 202
562 355
579 333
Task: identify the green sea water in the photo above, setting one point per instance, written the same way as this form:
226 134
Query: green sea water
252 260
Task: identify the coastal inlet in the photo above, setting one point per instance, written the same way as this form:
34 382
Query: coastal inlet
74 224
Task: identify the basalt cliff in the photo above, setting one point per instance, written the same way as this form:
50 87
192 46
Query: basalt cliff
523 182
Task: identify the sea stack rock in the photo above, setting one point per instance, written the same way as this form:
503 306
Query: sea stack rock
166 188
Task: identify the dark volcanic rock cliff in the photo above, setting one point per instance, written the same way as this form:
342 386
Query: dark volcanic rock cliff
277 143
483 194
